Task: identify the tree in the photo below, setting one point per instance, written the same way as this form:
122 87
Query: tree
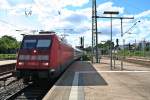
105 47
88 49
8 44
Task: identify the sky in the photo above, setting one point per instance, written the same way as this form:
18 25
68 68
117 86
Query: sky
73 18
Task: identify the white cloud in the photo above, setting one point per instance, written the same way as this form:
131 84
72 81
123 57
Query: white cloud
143 14
76 3
8 30
4 4
55 14
108 6
48 17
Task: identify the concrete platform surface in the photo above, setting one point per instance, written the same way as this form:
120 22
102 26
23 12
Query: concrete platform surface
5 62
86 81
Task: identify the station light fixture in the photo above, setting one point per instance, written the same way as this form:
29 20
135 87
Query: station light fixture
111 12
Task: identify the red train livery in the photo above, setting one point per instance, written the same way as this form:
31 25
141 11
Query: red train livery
44 56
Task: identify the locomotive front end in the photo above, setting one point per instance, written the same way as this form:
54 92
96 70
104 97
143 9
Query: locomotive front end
34 57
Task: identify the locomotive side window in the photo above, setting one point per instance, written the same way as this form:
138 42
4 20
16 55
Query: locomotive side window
43 43
29 44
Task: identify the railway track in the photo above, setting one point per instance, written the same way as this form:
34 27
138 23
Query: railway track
145 62
15 89
11 88
6 78
7 67
141 61
6 71
6 74
33 91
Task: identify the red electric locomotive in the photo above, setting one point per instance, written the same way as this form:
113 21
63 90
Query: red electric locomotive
43 56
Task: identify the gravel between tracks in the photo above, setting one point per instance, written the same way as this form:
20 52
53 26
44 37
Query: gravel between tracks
11 89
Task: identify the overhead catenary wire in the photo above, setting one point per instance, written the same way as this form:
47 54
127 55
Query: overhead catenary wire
5 22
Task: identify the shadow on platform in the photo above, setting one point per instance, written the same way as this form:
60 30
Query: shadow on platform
91 79
88 76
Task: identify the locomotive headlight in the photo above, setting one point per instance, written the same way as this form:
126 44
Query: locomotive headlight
21 63
45 63
34 51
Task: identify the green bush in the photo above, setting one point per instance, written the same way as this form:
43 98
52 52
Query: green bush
86 57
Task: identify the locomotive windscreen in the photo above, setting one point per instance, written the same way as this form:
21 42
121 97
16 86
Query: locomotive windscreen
36 44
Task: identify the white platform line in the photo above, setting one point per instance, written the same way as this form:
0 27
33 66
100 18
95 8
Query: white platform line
74 89
114 71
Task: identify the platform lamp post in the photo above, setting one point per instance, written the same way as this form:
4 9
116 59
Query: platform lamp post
111 13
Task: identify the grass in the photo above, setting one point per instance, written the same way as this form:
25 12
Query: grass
134 53
7 56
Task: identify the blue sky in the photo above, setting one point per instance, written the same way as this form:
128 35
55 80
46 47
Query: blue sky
74 14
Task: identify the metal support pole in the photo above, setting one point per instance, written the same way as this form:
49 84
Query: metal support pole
97 54
134 47
94 31
114 59
92 46
111 44
124 56
96 34
123 45
144 47
92 54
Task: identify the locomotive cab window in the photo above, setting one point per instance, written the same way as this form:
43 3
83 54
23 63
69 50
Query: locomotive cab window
43 43
29 44
36 43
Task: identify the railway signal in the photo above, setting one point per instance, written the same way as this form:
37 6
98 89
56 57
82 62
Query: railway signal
117 42
82 42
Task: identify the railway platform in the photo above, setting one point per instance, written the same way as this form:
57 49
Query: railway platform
86 81
6 62
7 65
